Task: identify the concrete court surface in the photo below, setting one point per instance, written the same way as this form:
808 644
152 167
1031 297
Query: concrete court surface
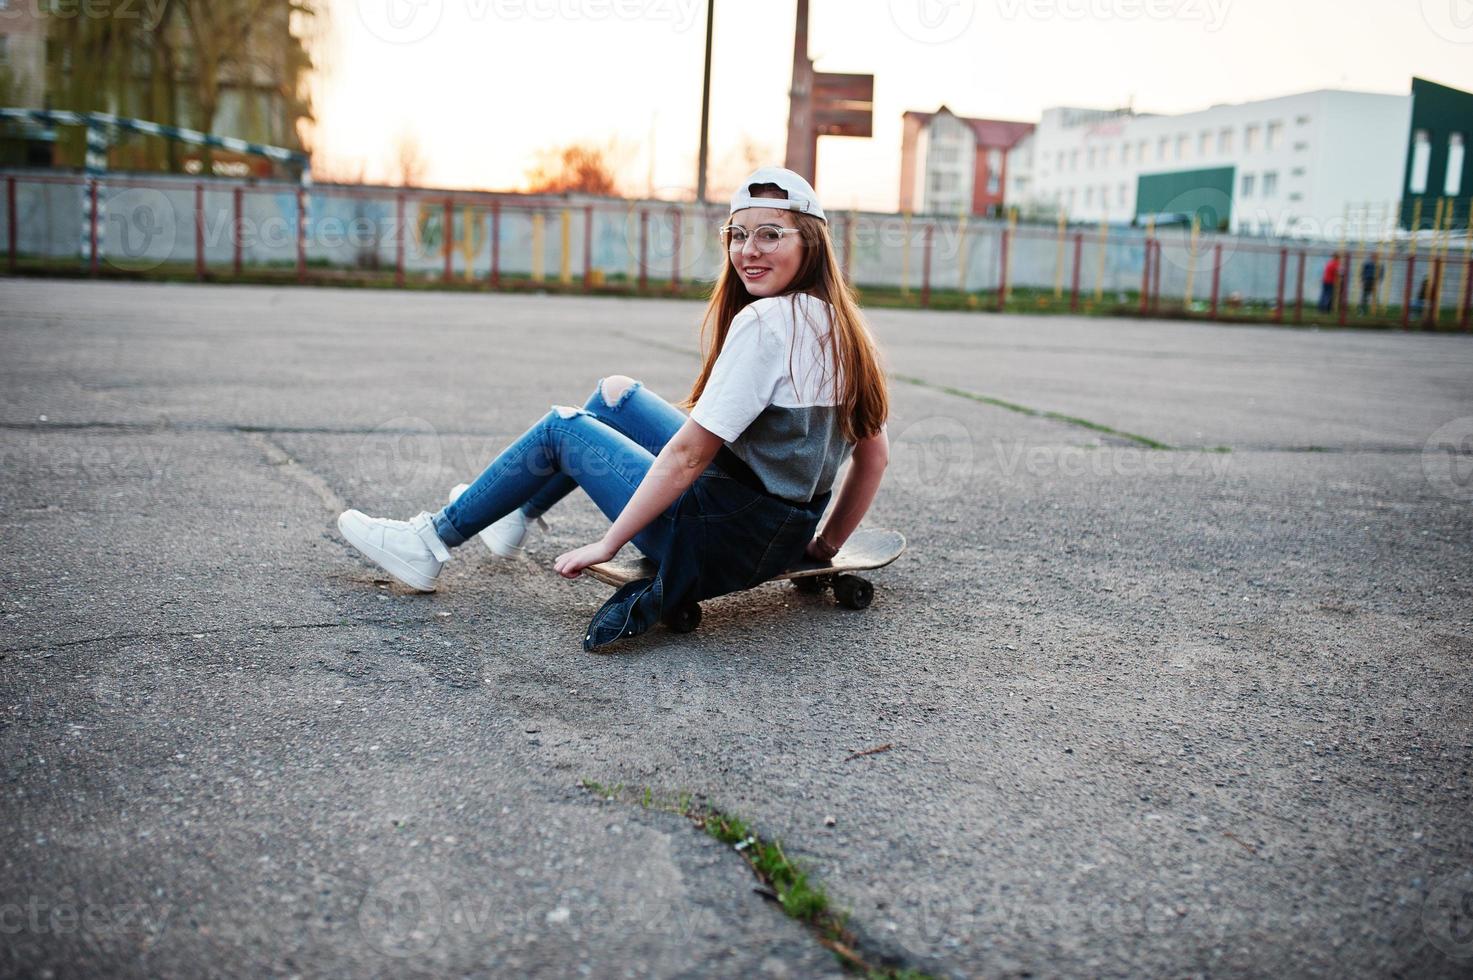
1152 712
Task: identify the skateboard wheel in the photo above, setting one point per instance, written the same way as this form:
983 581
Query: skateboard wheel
683 618
809 584
853 592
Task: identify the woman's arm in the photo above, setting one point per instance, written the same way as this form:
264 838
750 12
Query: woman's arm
684 458
856 493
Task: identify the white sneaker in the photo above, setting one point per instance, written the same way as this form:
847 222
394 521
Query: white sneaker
506 537
410 551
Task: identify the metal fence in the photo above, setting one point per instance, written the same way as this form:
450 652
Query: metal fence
216 229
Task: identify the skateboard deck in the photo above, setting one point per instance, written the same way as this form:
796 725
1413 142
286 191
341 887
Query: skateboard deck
866 549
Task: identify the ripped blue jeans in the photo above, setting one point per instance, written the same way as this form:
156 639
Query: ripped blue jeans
605 449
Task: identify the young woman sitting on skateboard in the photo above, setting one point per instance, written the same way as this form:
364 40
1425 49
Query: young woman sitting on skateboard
790 387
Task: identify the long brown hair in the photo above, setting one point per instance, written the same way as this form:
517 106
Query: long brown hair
859 383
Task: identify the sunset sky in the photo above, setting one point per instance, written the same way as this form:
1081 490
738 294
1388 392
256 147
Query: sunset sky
484 85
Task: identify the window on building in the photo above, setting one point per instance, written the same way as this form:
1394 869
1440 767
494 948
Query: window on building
1271 183
1454 185
1140 151
1298 172
1250 139
1296 196
1071 198
1163 147
1089 196
943 153
1124 192
1421 161
1061 161
994 171
1204 143
1104 156
1274 136
1225 141
1183 144
1073 159
1089 159
1249 180
1301 147
1124 152
1302 121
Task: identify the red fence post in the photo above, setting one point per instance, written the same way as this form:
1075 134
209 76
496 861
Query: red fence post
1467 294
926 268
644 228
399 240
1078 260
1406 303
1342 288
447 231
675 250
1299 289
301 234
92 232
1002 271
1146 279
238 231
1283 274
587 247
199 231
1434 295
14 219
495 244
1216 277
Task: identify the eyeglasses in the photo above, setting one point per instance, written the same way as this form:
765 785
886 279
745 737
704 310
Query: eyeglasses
768 237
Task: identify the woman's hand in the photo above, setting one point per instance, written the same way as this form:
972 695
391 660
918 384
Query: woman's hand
820 550
570 564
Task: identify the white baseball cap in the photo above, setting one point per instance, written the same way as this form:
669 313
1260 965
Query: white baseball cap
801 196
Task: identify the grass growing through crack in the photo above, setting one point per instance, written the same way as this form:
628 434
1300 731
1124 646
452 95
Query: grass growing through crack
784 881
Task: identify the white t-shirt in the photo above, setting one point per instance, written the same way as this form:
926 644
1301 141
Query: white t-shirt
784 425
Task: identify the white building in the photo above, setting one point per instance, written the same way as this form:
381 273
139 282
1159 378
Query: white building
1290 165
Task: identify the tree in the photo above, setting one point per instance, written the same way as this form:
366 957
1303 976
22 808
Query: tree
409 161
577 168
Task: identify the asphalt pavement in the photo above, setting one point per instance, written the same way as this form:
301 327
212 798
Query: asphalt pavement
1176 675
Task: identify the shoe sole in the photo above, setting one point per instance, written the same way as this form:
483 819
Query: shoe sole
388 561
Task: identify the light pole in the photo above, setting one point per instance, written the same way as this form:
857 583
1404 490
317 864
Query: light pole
705 105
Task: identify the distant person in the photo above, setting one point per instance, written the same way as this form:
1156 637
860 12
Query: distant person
1419 305
1328 284
1370 278
790 386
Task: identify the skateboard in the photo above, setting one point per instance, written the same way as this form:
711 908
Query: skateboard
866 549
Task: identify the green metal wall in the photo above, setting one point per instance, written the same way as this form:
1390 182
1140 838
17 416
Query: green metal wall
1441 111
1205 193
